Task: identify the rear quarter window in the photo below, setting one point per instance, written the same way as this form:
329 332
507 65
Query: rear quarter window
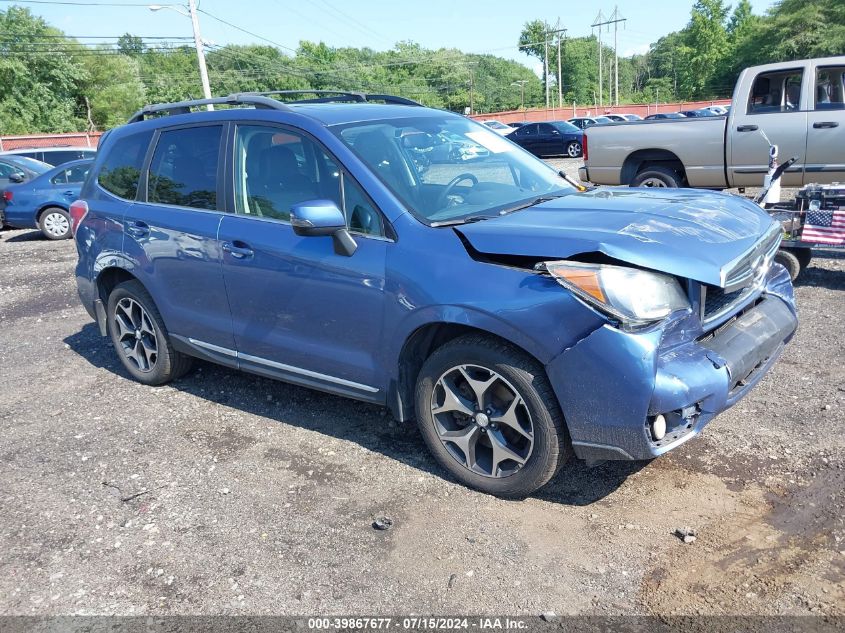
121 169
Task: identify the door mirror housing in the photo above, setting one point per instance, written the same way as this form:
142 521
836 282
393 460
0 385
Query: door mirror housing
316 218
17 177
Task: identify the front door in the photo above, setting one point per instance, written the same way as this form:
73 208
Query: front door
302 312
171 235
777 108
826 126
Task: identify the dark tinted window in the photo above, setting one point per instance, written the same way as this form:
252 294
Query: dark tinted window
121 169
527 130
545 129
62 156
183 171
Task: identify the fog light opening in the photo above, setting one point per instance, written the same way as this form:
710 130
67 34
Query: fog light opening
658 428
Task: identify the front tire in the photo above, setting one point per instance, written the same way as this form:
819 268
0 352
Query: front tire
657 176
489 416
140 338
790 261
55 223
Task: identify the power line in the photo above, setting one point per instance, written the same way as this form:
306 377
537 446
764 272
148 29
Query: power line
84 4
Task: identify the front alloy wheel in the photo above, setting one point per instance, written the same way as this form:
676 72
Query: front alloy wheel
482 421
489 416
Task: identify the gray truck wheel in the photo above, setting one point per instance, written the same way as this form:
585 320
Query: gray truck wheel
657 176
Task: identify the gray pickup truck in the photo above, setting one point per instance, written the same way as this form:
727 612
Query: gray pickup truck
800 106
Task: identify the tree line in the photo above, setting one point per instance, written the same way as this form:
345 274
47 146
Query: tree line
702 60
53 83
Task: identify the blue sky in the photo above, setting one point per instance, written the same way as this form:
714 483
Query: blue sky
492 26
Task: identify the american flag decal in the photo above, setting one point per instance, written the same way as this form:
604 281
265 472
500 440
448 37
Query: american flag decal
825 226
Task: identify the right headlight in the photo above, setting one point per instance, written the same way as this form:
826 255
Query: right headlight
632 296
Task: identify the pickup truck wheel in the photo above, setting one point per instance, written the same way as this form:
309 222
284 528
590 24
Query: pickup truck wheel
488 414
573 149
790 261
657 176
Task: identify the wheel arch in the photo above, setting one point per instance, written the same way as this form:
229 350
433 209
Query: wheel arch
419 345
109 277
44 207
636 161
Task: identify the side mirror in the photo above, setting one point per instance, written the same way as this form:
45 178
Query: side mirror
315 218
555 133
17 177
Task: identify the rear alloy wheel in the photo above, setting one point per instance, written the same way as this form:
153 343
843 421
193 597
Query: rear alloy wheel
140 338
488 414
573 149
55 223
657 176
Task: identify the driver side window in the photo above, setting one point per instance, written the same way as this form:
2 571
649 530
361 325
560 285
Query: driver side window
276 169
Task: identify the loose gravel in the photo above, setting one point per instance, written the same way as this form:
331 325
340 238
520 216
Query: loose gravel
225 493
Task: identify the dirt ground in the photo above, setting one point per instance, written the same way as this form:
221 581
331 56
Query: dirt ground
229 493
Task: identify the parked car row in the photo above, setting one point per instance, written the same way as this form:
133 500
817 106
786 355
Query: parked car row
43 200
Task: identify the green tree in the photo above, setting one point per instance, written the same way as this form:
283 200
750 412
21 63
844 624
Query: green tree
112 88
705 47
38 79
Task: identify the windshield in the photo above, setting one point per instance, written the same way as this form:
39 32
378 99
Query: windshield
28 163
449 168
603 119
496 125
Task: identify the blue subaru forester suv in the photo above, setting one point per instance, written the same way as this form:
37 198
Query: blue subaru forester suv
518 319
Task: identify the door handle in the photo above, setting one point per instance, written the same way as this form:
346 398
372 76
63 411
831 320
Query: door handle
137 228
70 194
746 128
825 124
238 249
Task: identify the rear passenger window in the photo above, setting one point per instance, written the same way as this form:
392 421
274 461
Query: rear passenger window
183 171
121 169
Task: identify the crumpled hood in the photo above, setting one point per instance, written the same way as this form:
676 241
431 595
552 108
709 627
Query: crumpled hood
689 233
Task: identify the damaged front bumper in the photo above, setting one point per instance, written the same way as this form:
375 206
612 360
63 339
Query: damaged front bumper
635 376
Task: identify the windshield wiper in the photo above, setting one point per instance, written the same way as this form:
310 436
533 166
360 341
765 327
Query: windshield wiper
530 203
467 220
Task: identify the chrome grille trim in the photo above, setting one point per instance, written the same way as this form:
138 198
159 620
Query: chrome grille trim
745 280
741 272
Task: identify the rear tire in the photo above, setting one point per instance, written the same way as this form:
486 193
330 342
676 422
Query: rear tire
790 261
140 338
657 176
508 443
54 223
573 149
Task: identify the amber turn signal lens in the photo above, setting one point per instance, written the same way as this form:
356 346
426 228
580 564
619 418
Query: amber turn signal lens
586 280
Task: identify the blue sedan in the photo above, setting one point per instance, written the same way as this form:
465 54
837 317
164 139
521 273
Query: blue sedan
551 138
43 202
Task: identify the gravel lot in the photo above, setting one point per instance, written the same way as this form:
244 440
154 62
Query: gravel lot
229 493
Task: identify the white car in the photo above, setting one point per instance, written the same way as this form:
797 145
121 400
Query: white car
717 109
498 127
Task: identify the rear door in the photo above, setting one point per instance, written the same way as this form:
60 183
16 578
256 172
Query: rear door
548 140
826 126
302 312
171 234
777 106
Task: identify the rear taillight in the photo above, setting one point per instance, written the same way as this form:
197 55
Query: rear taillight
584 147
8 195
78 211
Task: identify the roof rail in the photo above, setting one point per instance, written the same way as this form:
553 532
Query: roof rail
333 96
184 107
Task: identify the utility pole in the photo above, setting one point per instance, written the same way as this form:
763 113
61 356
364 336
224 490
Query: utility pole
599 22
521 83
192 14
470 89
559 72
546 68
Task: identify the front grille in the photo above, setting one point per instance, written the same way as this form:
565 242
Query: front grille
743 281
743 271
716 300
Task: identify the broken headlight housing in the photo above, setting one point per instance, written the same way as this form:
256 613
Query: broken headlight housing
631 296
